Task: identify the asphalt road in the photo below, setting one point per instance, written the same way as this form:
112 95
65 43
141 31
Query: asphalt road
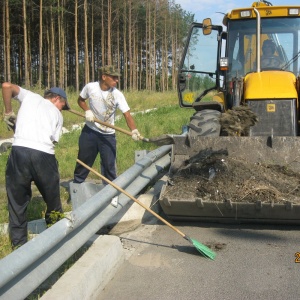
252 262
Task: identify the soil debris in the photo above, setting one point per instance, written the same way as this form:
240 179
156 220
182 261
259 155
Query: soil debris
238 120
218 177
216 246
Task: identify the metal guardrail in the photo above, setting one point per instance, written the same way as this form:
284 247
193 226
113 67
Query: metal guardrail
30 265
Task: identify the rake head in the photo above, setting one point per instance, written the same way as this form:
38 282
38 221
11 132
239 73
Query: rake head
204 250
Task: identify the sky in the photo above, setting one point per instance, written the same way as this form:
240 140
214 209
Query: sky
214 8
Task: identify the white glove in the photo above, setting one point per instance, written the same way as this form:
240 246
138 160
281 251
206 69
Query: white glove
135 134
10 120
89 116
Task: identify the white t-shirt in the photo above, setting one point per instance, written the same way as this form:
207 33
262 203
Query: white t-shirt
39 122
104 105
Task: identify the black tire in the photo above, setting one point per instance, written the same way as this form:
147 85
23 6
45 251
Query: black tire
205 123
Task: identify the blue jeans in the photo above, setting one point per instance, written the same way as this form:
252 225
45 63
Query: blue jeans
91 143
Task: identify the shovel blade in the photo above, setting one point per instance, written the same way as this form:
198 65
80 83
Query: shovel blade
165 139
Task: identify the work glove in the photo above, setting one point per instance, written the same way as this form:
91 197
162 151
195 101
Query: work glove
89 116
10 120
135 135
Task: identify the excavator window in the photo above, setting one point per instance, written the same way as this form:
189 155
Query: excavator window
198 71
283 34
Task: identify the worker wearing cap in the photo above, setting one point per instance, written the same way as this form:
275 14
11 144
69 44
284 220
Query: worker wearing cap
103 101
37 128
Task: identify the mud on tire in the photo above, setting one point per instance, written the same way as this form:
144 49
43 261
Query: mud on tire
205 123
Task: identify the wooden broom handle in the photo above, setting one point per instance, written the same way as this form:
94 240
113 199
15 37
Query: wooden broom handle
132 198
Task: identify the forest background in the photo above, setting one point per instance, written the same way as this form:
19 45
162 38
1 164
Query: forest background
63 42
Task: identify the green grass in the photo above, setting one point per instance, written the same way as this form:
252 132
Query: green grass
165 117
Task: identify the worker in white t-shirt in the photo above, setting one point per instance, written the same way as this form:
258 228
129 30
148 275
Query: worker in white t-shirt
37 128
103 101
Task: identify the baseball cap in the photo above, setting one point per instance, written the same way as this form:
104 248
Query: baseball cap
62 93
108 70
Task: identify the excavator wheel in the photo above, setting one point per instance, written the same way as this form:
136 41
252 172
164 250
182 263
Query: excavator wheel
205 123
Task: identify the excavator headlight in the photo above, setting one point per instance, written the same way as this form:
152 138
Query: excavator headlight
245 13
294 11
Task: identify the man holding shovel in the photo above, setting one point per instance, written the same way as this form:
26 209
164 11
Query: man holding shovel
103 100
37 130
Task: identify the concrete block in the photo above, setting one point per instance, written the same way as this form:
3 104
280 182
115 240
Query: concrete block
4 228
89 275
81 192
5 144
135 215
36 226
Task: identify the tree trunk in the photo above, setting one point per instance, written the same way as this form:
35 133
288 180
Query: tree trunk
48 56
103 45
118 37
153 60
148 44
92 43
174 52
76 47
26 73
125 76
86 46
52 69
6 29
60 45
130 58
109 24
40 45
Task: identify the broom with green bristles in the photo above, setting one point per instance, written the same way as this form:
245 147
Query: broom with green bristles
204 250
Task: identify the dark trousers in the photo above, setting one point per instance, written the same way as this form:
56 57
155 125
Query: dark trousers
24 166
90 144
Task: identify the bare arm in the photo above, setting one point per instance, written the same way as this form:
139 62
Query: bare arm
81 102
9 91
129 120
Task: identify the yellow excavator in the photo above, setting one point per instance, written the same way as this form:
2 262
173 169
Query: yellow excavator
249 71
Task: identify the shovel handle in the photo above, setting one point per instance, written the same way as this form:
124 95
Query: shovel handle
107 124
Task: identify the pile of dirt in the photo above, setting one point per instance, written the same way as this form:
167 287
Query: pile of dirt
214 176
238 120
221 178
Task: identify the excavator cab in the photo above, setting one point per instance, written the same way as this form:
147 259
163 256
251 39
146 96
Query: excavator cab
213 61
